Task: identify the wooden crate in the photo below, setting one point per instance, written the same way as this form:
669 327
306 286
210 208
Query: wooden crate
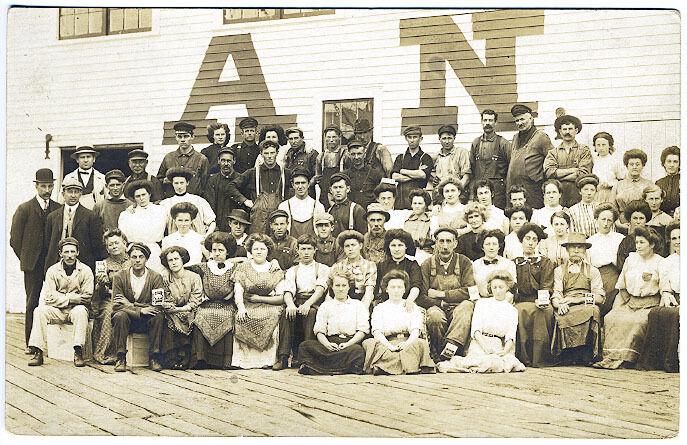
61 341
137 350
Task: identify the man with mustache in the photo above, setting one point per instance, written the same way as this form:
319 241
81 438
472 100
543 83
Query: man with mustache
569 161
489 157
529 147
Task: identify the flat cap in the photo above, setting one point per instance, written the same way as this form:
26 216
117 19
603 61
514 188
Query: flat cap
226 150
137 154
362 126
248 122
446 229
71 183
376 207
183 172
184 127
84 150
67 241
279 213
139 246
354 143
115 174
450 129
300 171
268 143
338 177
518 109
323 218
413 129
333 128
290 130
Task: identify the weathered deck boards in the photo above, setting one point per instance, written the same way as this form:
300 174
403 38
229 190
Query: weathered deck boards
574 402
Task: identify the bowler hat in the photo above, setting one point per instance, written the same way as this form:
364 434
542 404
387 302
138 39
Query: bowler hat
362 126
68 241
375 207
184 127
86 149
44 175
576 239
239 215
248 122
137 154
450 129
567 119
71 183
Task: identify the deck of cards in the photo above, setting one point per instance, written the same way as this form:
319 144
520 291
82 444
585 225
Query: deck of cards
158 297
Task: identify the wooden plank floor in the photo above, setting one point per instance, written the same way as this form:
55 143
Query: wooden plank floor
572 402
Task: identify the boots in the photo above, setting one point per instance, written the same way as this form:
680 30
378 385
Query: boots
78 357
120 366
37 359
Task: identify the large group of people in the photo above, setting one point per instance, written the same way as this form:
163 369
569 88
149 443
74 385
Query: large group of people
270 254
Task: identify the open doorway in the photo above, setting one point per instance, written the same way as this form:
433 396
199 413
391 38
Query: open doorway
110 157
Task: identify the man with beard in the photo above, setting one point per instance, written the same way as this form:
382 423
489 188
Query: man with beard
451 161
184 156
108 210
27 239
364 177
489 156
376 154
138 161
569 161
217 193
246 151
528 151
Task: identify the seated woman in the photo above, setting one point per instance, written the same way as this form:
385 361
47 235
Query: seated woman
663 332
607 167
397 347
341 325
552 247
518 216
638 291
449 210
418 224
670 183
631 187
212 339
492 243
101 304
258 292
535 314
552 204
185 292
397 244
361 273
604 251
475 215
183 214
582 212
637 214
493 331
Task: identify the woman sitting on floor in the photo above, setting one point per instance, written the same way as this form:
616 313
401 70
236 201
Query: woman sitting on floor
258 292
493 331
397 347
663 333
638 291
341 325
185 292
213 331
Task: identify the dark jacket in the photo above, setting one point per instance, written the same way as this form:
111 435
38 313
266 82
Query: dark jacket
121 285
86 228
27 234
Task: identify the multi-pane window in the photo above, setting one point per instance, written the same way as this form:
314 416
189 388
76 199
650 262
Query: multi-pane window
90 22
256 14
343 113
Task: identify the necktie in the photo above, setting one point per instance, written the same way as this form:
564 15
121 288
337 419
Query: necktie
70 216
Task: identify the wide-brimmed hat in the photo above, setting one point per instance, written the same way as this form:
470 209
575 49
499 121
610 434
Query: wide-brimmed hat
576 239
362 126
86 149
44 175
239 215
567 118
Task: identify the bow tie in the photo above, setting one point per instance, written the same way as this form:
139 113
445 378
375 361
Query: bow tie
488 262
84 172
530 260
220 265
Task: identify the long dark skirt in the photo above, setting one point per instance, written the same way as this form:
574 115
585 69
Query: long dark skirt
535 328
577 336
609 277
316 359
216 356
662 337
174 350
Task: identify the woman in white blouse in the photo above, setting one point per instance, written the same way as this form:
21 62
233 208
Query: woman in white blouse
552 247
183 214
638 291
144 222
552 204
449 210
492 243
663 332
604 251
396 347
607 167
340 326
517 216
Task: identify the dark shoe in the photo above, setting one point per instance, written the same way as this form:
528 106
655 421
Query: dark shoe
295 363
155 365
120 366
304 370
280 364
78 357
37 359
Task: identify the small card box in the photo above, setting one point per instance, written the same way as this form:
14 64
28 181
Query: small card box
100 267
473 292
158 297
543 297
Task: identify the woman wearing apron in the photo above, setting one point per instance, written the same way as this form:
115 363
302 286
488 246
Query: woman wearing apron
301 207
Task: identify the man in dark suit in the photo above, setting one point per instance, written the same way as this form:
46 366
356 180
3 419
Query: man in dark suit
76 221
27 239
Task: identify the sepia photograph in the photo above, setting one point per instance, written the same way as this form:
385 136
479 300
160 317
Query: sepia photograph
337 221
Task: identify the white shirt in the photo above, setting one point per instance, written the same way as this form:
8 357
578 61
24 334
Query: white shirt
44 203
145 225
306 277
192 241
397 219
392 318
669 274
205 217
496 317
341 317
543 217
481 271
604 248
301 209
137 283
640 276
513 248
496 220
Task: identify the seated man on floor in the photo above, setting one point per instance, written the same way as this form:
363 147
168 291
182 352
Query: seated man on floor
447 275
132 290
66 293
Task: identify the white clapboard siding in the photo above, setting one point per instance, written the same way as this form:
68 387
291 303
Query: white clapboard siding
618 70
